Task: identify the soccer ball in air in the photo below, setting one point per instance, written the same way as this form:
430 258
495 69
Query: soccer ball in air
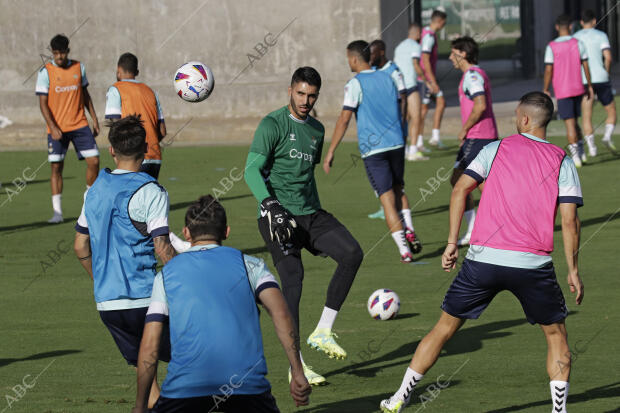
383 304
193 81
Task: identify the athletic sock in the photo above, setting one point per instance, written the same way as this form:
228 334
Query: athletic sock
420 141
57 204
435 134
410 380
413 149
559 394
327 318
401 242
406 216
470 217
573 148
589 140
609 129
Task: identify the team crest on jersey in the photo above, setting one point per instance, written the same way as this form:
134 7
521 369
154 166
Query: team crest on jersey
313 144
292 136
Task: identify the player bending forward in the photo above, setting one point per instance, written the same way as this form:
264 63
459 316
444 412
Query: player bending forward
208 296
280 173
525 178
478 121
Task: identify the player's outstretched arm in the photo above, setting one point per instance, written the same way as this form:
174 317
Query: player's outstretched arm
163 248
88 103
49 118
571 232
341 127
273 301
462 188
81 247
147 363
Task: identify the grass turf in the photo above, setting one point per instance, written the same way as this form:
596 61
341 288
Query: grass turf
53 340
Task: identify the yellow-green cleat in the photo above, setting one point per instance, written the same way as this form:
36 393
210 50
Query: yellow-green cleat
392 405
322 339
314 379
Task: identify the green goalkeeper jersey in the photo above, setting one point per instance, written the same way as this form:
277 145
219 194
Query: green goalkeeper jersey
285 151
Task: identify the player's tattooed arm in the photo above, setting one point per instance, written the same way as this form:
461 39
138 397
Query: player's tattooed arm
163 248
81 247
147 363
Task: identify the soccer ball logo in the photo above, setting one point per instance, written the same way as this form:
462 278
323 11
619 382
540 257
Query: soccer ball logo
194 82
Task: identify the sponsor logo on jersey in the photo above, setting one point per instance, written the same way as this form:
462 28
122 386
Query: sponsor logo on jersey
292 136
60 89
313 144
294 153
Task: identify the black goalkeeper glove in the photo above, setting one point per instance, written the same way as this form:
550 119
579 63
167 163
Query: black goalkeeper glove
281 222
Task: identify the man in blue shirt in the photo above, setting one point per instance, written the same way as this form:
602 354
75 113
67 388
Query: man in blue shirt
373 97
208 295
124 222
599 62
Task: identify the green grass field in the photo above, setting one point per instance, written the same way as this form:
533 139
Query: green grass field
57 356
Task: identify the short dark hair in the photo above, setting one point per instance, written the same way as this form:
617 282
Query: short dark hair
588 15
206 219
360 48
60 42
380 44
439 14
129 63
416 25
127 136
542 103
563 20
469 46
306 74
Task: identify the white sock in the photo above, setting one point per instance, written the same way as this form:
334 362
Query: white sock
327 318
412 149
178 244
559 394
573 149
609 129
589 140
435 134
401 242
470 217
420 142
406 216
410 380
57 204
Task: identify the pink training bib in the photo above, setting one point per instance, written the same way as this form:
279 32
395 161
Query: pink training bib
566 69
486 128
519 202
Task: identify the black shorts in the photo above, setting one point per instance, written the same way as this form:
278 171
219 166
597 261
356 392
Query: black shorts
477 283
469 150
126 327
242 403
604 92
151 169
385 170
309 228
570 108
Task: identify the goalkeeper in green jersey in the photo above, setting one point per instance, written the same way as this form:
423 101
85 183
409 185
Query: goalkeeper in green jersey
280 173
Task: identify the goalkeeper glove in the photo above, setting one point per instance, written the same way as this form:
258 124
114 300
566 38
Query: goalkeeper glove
281 223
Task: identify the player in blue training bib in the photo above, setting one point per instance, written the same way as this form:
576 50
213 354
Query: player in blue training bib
124 222
373 96
208 296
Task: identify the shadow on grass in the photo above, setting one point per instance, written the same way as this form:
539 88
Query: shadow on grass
36 225
465 341
181 205
602 392
355 405
38 356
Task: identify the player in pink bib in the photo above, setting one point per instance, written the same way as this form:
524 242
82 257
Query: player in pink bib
564 57
527 179
478 121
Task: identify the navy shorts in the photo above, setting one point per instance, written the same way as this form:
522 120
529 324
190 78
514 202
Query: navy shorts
569 108
603 92
83 142
469 150
126 327
237 403
477 283
151 168
413 89
385 170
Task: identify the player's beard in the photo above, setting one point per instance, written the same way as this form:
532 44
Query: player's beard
296 110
